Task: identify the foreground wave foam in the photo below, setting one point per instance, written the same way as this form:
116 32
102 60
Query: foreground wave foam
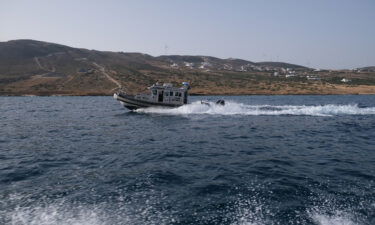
60 212
337 218
234 108
250 210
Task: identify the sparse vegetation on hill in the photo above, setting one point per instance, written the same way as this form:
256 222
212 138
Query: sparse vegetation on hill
29 67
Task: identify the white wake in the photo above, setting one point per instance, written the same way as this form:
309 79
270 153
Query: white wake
234 108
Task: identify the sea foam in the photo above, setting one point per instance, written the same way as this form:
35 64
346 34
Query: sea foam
337 218
234 108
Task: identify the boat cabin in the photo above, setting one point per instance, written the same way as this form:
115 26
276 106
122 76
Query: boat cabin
166 93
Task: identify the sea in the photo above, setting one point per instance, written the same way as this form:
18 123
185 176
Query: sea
257 160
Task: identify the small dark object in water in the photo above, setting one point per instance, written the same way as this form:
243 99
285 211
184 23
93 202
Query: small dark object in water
205 103
220 102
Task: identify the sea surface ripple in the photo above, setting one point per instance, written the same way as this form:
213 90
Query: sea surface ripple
259 160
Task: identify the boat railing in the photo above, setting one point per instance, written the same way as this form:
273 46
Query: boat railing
121 90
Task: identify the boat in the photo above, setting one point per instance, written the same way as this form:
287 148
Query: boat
160 95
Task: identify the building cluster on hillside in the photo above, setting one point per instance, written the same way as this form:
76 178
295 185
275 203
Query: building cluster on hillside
276 71
365 69
207 66
290 73
312 75
345 80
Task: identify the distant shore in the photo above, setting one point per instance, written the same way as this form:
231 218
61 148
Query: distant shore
337 90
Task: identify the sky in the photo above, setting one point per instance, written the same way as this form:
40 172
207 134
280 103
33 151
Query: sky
327 34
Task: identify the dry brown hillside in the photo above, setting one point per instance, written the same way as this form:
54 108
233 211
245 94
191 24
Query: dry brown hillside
29 67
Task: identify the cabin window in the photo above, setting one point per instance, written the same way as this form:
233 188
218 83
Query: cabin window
171 93
176 94
166 93
154 92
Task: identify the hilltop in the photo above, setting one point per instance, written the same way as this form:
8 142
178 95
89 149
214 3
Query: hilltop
29 67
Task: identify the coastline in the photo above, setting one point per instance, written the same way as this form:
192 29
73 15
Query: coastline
223 91
98 95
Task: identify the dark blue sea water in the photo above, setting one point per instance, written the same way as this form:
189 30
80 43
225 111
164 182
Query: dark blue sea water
258 160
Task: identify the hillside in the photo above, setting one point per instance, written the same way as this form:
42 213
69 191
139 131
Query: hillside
368 69
29 67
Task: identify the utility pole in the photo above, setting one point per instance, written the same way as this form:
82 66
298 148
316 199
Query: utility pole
166 49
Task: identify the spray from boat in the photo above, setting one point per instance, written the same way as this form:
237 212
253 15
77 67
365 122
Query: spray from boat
231 108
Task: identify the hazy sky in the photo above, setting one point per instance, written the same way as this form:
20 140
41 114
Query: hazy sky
314 33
